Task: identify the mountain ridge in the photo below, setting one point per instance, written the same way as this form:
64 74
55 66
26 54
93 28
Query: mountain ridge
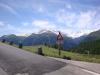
49 37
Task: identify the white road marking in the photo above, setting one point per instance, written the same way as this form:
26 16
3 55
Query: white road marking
22 74
93 73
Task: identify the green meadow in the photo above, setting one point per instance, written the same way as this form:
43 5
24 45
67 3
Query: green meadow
54 53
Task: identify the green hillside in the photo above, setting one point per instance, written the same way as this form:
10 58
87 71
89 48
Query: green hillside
54 53
92 47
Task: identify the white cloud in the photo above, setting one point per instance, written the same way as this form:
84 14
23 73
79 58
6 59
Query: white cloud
85 19
77 24
68 6
57 1
39 8
2 24
43 24
74 34
9 8
25 24
65 17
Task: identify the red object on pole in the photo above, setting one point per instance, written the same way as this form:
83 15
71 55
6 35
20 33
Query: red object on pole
59 38
59 41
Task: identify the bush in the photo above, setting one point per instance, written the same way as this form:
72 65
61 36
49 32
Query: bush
3 40
11 43
40 51
65 57
20 45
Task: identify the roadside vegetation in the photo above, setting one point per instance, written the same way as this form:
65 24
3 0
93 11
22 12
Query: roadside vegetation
52 52
91 47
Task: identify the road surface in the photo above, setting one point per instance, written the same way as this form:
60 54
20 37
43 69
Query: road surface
14 61
77 68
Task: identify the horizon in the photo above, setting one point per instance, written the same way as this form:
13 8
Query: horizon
45 31
72 17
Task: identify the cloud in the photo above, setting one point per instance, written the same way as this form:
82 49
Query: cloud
68 6
74 18
2 24
77 24
9 8
39 8
43 24
6 28
25 23
85 19
57 1
74 34
65 17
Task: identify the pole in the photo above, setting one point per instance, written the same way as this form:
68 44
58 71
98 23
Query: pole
88 53
59 50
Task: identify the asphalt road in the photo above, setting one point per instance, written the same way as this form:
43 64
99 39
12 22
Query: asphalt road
76 68
14 61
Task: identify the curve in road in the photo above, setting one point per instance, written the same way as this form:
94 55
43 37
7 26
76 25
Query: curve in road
14 61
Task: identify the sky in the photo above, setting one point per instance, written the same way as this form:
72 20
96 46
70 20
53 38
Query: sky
72 17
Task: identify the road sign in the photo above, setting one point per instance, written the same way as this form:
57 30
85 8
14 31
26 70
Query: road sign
59 39
59 42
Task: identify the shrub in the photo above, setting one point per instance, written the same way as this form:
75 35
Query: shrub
20 45
40 51
11 43
3 40
65 57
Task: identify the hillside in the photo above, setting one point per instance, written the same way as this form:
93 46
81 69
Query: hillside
54 53
13 38
93 47
47 38
93 36
90 44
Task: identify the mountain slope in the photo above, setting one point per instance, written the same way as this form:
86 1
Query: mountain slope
47 38
90 44
93 36
93 47
13 38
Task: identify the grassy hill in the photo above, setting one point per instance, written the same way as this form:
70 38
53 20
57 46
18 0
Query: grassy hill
54 53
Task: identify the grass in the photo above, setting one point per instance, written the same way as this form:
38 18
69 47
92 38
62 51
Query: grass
54 53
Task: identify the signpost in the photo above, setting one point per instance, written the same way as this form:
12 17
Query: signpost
59 42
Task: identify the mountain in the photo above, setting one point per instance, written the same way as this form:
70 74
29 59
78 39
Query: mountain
91 44
45 37
93 36
13 38
49 38
90 37
79 39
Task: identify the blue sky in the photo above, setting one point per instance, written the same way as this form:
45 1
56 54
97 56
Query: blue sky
72 17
